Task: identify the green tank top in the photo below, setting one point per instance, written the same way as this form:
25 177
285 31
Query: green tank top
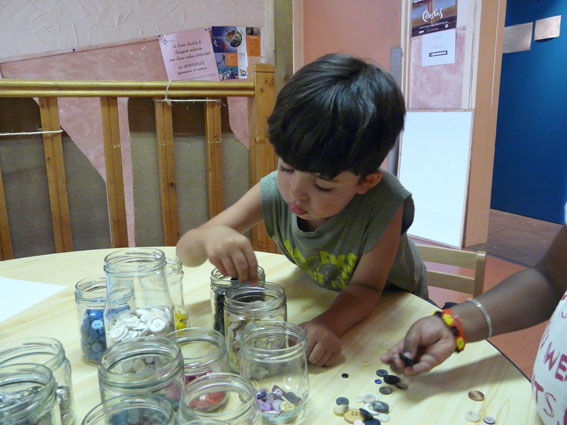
331 253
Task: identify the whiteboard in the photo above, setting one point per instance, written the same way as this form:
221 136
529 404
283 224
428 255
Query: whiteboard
434 167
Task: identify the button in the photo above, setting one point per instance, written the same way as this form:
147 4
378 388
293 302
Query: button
476 395
391 379
369 397
372 421
385 390
340 409
402 385
380 407
382 372
130 321
286 406
358 422
97 324
489 420
383 417
472 416
366 415
342 400
377 381
157 324
344 375
352 415
118 333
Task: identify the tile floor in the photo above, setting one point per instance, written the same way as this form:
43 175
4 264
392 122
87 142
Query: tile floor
514 242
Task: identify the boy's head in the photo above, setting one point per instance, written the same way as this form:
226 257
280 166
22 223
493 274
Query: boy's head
337 114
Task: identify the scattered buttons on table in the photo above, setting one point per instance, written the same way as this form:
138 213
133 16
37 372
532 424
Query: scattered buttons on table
476 395
366 415
342 400
383 417
489 420
369 397
344 375
352 415
377 381
340 409
472 416
372 421
385 390
391 379
380 407
382 372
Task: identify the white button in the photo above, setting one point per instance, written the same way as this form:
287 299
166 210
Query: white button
472 416
157 324
118 332
369 397
131 321
383 417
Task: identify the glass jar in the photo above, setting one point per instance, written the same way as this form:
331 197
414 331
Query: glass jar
137 297
244 306
220 396
144 365
204 351
203 422
219 285
50 353
131 410
273 357
174 276
90 298
28 395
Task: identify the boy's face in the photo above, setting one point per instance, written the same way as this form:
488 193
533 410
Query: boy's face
312 197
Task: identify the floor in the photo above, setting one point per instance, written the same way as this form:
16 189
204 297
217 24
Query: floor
514 242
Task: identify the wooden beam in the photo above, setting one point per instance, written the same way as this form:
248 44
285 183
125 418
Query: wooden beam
55 168
166 168
114 176
213 143
5 238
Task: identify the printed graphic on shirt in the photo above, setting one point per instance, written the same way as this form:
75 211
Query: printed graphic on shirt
325 268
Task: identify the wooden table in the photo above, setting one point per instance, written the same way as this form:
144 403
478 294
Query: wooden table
439 397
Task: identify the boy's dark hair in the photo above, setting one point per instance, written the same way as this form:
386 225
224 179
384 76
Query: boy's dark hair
337 114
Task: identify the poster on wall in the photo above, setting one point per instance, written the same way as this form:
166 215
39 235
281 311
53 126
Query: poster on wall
429 16
188 55
235 48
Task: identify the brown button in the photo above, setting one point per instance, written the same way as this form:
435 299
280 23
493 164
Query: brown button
352 415
476 395
385 390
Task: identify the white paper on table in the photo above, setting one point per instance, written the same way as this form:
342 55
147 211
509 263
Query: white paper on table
18 295
517 38
547 28
438 48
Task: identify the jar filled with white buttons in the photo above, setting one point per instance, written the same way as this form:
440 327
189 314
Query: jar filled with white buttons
137 298
273 357
226 397
174 277
90 298
144 365
244 306
50 353
28 395
131 410
219 285
204 351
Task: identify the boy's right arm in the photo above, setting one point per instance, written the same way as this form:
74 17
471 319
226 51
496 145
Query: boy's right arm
220 240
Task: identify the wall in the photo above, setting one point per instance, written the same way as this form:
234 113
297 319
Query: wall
364 28
530 165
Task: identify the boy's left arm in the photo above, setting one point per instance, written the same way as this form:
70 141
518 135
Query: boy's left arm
356 301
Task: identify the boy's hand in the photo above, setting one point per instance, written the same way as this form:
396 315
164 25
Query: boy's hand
230 252
323 346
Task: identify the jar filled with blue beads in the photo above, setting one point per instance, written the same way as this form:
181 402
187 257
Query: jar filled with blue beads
90 297
132 410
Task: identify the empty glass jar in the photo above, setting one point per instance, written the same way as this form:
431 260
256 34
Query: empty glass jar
204 352
272 357
50 353
174 276
219 285
131 410
144 365
28 395
245 305
137 299
90 298
224 397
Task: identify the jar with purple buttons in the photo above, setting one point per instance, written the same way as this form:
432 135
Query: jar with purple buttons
137 297
219 285
174 276
245 305
50 353
28 395
131 410
90 297
273 357
144 365
226 397
204 352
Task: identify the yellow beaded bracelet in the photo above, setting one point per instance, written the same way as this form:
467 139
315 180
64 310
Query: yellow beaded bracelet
455 325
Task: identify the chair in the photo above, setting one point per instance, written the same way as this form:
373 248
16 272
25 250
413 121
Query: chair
467 283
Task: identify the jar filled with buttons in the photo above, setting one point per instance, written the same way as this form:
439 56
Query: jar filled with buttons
90 297
148 365
245 305
137 298
219 285
202 422
273 357
131 410
204 351
50 353
174 276
28 395
225 397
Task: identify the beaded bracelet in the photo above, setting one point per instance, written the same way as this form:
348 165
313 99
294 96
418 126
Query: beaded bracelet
455 325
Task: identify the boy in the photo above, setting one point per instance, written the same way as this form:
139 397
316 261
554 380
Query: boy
328 206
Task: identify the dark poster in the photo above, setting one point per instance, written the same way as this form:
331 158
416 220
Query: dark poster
432 15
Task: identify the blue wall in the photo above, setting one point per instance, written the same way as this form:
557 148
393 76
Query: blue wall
530 164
